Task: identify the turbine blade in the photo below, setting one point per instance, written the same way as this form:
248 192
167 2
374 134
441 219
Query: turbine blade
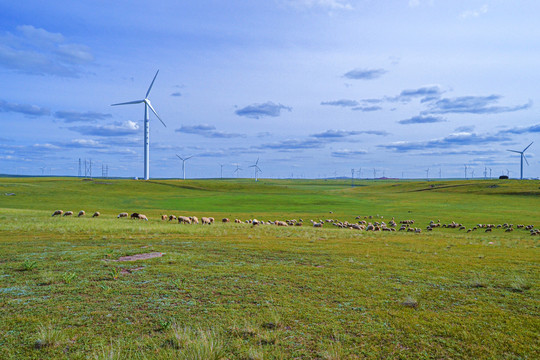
525 159
154 111
129 102
179 157
190 157
257 162
152 84
527 147
519 152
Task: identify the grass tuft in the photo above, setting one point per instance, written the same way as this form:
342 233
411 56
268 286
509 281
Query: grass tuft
47 336
519 284
410 302
197 344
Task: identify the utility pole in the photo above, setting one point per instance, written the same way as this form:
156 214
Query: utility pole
465 172
374 173
352 177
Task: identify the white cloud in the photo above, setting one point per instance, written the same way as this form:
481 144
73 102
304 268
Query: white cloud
474 13
326 4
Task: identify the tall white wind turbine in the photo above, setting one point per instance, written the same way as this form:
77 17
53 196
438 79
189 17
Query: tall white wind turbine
257 169
147 105
522 153
184 164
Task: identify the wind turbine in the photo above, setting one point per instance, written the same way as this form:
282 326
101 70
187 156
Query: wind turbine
184 164
522 153
257 169
147 105
237 170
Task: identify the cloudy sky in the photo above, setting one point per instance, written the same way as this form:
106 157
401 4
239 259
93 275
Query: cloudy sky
313 88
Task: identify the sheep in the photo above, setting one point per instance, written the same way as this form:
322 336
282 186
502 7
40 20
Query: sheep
121 215
172 217
184 220
237 221
68 213
81 213
58 212
96 214
142 217
211 220
488 230
318 224
225 220
135 215
205 221
194 219
255 222
281 223
164 217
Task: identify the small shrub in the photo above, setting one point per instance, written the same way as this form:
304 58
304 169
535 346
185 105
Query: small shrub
114 272
28 265
68 277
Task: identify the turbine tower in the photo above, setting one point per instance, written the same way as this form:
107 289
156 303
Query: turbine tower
522 153
147 105
184 164
257 169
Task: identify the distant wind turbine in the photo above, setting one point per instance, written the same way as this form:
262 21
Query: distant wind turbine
522 153
147 105
184 164
257 169
237 170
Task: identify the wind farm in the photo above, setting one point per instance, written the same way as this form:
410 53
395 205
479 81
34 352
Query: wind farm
331 180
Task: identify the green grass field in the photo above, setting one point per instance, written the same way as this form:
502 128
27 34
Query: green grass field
233 291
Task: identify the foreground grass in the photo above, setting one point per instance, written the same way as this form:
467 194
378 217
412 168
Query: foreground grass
233 291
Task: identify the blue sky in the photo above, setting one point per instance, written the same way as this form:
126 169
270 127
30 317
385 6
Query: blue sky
312 88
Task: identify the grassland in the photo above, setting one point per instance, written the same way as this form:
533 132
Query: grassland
231 291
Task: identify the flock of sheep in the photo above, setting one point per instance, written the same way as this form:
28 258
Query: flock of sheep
362 224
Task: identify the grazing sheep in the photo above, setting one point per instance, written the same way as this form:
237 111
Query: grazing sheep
194 219
206 221
142 217
121 215
58 212
281 223
81 213
211 220
225 220
164 217
255 222
68 213
237 221
488 230
184 220
96 214
135 215
172 217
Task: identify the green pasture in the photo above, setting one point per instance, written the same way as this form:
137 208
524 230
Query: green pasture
233 291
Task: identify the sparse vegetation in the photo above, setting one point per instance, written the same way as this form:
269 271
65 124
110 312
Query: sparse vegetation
266 292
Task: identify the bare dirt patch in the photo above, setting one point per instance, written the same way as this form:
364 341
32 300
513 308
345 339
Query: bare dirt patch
140 257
